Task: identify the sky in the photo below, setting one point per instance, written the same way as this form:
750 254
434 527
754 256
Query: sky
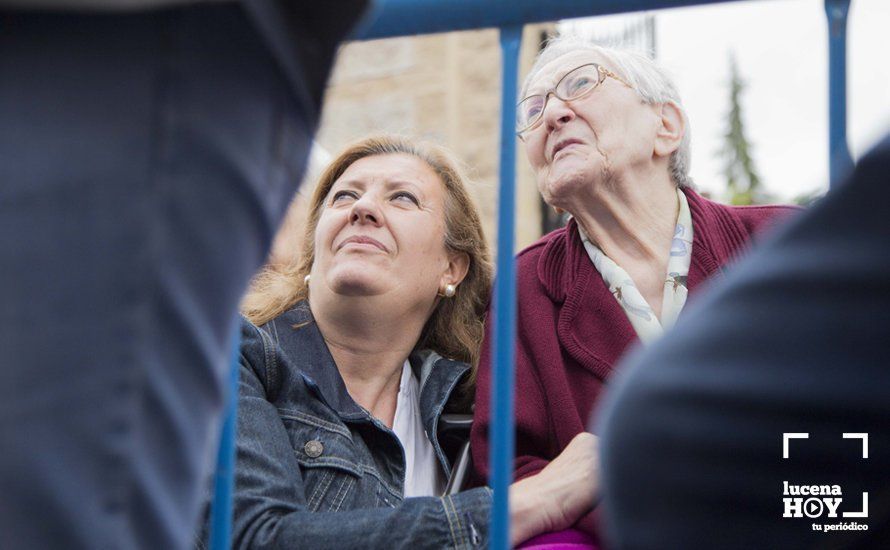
781 48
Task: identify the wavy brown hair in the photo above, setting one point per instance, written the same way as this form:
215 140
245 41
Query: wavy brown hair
454 330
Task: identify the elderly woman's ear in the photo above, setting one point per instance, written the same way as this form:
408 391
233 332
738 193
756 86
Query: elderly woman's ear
671 129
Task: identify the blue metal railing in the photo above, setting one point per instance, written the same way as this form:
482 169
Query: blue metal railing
501 430
390 18
224 478
839 160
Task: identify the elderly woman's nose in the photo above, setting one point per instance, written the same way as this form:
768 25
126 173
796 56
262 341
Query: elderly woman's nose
556 113
366 210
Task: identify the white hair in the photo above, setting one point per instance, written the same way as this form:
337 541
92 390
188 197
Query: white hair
651 82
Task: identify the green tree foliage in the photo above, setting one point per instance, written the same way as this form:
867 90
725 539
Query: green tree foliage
742 180
808 199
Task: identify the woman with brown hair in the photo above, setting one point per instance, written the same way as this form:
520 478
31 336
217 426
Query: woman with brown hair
352 355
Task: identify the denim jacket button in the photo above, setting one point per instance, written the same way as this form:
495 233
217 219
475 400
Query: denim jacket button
313 448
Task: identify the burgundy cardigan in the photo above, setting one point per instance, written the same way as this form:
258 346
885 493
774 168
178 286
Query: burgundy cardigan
571 330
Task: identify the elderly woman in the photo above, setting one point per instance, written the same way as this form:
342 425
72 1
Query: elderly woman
607 138
352 356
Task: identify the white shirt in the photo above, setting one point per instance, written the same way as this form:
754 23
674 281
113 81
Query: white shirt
423 476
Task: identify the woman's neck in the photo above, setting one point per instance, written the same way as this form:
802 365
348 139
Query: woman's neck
369 341
632 222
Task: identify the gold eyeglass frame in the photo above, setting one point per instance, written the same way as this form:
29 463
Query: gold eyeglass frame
601 71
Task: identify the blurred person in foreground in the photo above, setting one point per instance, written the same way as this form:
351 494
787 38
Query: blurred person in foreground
608 140
695 452
147 151
352 356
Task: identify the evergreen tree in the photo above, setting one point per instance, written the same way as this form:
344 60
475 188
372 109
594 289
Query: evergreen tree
742 180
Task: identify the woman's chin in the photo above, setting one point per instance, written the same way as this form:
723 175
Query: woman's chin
356 283
559 189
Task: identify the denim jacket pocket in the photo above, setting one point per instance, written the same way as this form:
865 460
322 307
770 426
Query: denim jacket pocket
327 458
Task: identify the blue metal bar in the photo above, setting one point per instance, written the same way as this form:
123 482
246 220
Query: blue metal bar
389 18
501 434
224 478
839 160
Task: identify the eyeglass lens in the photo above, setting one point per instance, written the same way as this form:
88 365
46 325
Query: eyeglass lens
573 85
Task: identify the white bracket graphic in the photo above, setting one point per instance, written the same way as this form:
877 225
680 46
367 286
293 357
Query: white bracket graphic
792 435
864 512
864 438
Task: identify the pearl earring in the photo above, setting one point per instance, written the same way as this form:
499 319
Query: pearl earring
306 279
450 289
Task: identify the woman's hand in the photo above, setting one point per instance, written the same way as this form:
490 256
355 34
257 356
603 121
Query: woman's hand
557 496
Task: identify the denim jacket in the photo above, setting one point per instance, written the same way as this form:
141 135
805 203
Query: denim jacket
316 470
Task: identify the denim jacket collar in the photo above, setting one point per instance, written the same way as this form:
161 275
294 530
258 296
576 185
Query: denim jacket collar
438 376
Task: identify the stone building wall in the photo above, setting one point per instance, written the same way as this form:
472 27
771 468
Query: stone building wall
444 88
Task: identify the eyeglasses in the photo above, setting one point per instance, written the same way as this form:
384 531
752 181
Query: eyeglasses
575 84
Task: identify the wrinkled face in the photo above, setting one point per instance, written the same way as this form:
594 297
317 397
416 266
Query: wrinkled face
382 230
593 140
